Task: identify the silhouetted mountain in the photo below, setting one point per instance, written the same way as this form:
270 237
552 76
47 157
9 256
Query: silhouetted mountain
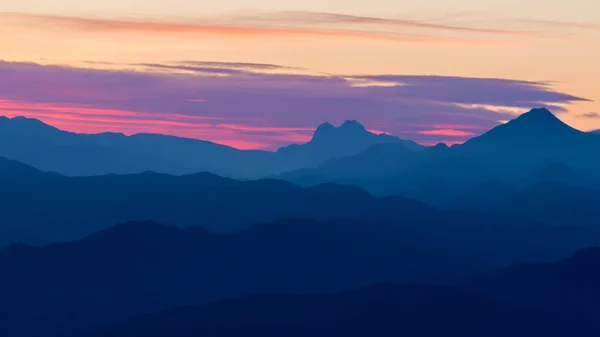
534 137
51 207
378 311
534 148
45 147
136 268
50 149
143 267
329 142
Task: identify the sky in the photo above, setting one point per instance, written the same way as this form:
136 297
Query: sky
262 74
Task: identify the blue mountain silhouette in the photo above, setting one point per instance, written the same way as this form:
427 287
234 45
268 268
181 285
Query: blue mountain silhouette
536 143
50 149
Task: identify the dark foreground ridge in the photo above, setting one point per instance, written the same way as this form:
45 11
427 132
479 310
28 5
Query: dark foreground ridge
515 305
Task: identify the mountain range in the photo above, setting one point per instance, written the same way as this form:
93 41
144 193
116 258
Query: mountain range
382 164
554 299
351 234
50 149
41 207
126 280
533 148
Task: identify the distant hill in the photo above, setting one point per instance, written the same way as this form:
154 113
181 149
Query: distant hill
52 207
50 149
554 299
39 207
144 267
378 311
137 268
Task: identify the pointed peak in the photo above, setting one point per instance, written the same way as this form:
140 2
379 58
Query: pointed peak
539 115
352 125
323 131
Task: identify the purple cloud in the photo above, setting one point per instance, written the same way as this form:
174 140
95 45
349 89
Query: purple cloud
238 105
592 115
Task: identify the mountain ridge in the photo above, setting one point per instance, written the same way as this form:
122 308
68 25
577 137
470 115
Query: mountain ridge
50 149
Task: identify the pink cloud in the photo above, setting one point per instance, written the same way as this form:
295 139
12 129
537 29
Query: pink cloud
447 132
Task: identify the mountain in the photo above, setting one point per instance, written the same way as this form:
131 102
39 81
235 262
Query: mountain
137 268
51 207
39 207
532 138
143 267
329 142
32 142
534 148
50 149
379 311
560 298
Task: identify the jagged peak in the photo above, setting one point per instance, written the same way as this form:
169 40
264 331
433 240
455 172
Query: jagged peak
325 126
349 127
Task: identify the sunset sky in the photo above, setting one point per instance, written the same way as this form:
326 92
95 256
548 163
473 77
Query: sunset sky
261 74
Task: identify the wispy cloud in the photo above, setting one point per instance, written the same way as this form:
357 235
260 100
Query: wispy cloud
250 109
559 24
286 24
307 17
518 24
